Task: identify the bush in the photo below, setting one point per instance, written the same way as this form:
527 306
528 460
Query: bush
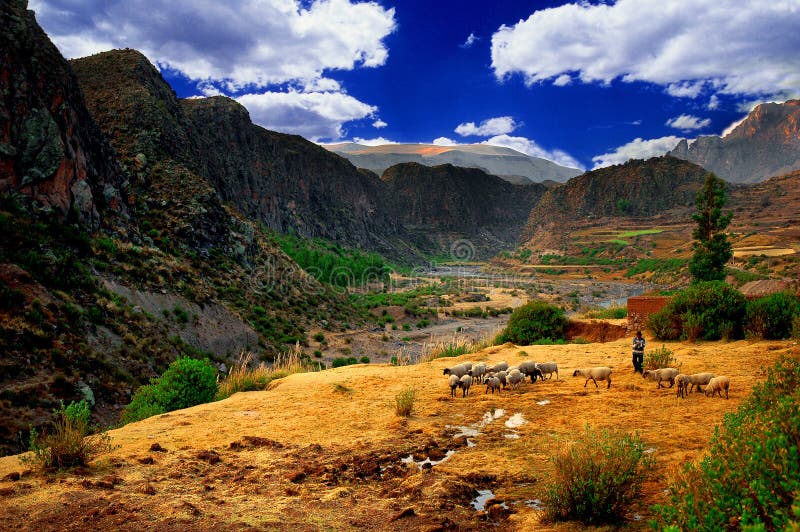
534 322
404 401
659 358
69 444
597 478
343 361
771 317
751 473
708 310
186 382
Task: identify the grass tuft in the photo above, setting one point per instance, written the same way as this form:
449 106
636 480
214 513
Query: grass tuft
244 376
404 401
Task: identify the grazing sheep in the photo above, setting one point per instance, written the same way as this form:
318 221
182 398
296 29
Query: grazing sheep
453 385
717 384
460 370
699 379
467 365
662 374
502 375
493 383
682 382
548 368
465 382
595 374
529 368
514 378
500 366
478 371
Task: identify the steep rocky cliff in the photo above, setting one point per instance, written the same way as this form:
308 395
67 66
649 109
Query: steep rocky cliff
51 151
765 144
289 183
637 188
449 203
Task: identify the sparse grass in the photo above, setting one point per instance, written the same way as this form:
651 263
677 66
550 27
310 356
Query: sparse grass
70 443
455 346
597 478
244 376
341 388
659 358
611 313
404 401
639 232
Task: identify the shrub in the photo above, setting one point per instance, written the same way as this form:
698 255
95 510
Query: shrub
186 382
796 328
750 476
364 360
597 478
343 361
771 317
404 401
710 307
658 358
69 443
533 322
319 337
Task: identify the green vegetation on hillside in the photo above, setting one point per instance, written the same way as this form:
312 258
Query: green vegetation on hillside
712 250
534 322
750 476
333 264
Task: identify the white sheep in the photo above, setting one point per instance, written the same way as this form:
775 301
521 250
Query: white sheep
529 368
454 380
460 370
465 382
661 374
514 378
717 384
500 366
682 383
595 374
502 375
699 379
548 368
478 371
493 383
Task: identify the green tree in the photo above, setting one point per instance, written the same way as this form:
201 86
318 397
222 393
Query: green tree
711 247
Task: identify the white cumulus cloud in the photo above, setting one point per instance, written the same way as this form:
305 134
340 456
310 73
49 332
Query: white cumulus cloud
492 126
444 141
530 147
241 46
636 149
378 124
379 141
729 46
472 39
314 115
688 122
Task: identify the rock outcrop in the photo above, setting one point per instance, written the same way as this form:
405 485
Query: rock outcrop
637 188
765 144
51 150
451 204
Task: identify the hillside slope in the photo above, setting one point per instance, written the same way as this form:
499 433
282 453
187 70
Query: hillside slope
326 450
765 144
448 203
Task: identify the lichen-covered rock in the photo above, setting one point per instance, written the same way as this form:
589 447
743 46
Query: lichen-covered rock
51 151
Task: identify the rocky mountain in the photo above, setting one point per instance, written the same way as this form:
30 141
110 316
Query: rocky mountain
465 211
116 254
282 181
51 150
635 189
509 164
765 144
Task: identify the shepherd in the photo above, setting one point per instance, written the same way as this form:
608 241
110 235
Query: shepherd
638 352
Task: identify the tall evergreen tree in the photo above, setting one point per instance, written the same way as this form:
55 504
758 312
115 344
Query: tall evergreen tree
712 250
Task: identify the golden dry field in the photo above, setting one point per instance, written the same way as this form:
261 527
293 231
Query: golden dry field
326 451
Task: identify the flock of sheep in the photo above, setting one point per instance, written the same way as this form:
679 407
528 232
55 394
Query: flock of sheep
500 375
686 383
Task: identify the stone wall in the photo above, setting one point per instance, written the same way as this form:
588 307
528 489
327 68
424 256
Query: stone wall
641 307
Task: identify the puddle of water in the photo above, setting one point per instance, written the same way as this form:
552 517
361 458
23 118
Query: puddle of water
517 420
410 460
469 432
543 402
479 502
536 504
511 435
470 443
488 417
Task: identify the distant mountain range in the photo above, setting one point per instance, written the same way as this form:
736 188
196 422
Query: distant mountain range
765 144
511 165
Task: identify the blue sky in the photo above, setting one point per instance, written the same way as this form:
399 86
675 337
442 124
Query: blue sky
583 84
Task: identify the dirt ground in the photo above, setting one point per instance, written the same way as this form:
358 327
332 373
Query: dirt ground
326 451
